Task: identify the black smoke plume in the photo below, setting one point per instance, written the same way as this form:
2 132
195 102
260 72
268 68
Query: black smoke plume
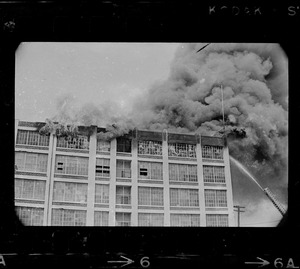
253 80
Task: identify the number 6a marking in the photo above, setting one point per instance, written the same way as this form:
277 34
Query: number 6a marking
278 263
145 263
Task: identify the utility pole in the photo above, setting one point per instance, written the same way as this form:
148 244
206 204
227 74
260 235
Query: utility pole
240 210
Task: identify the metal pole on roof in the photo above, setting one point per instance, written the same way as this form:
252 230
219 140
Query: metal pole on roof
223 108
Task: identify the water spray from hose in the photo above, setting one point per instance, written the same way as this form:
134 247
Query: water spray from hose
243 169
267 191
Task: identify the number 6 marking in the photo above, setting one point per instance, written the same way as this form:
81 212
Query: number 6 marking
145 262
278 263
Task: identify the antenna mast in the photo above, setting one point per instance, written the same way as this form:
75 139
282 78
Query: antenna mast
223 108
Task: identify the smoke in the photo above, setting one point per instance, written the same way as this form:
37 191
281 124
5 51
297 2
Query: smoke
253 80
107 114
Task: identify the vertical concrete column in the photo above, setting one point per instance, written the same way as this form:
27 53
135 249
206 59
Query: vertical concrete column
50 177
134 181
200 181
91 177
167 216
16 130
228 187
112 184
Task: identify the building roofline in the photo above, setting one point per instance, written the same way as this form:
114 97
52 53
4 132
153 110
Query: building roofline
191 134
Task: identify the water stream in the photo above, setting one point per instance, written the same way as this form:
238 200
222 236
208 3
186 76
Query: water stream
276 203
245 171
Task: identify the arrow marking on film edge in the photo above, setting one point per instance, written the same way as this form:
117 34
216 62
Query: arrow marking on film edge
261 263
127 262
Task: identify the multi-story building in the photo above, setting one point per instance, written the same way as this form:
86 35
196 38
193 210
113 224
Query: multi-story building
144 178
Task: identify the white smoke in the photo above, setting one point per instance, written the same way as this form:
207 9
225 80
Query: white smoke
253 79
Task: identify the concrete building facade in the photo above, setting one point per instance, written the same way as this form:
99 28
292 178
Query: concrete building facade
144 178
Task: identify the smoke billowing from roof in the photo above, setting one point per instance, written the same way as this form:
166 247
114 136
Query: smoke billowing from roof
253 78
106 114
254 82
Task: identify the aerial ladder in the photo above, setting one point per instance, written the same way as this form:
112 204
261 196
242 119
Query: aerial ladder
275 202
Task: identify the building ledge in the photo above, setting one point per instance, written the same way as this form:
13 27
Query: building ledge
186 159
212 160
216 209
31 124
150 181
124 206
102 178
183 208
20 146
29 201
150 207
146 156
102 153
184 183
123 179
70 176
86 151
30 173
212 184
70 204
102 205
124 154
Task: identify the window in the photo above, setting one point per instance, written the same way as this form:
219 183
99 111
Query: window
33 138
101 194
68 217
150 147
183 172
123 168
123 196
102 167
31 216
71 165
69 192
144 172
215 198
215 220
123 219
151 219
123 144
185 220
150 170
182 150
25 137
30 189
78 142
31 162
22 137
184 197
101 218
103 146
150 196
212 152
214 174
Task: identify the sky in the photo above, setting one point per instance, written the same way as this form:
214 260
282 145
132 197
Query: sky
89 72
117 74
